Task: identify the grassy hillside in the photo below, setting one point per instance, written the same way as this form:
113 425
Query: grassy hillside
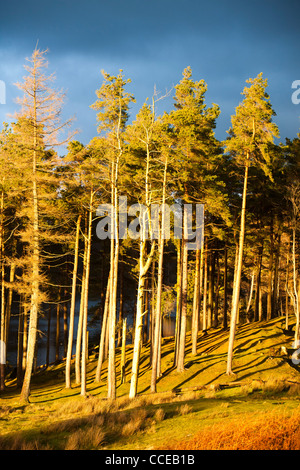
200 408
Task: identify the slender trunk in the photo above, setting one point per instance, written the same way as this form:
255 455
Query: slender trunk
210 300
80 319
216 306
9 299
25 338
123 351
152 311
103 336
35 285
276 283
257 281
121 312
158 319
57 328
295 287
286 288
178 301
237 283
225 306
65 318
250 294
196 300
204 309
48 336
182 335
72 308
84 354
144 267
270 275
2 311
20 345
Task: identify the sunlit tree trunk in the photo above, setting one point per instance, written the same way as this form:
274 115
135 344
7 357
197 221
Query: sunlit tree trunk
33 319
158 319
237 280
72 308
84 353
182 335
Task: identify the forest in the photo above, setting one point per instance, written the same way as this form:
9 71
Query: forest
52 262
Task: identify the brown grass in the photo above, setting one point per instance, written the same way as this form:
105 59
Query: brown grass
91 437
263 431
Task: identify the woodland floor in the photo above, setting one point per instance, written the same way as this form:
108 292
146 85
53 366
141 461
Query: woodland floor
202 408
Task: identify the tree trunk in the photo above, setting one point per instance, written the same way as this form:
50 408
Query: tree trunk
72 308
258 281
123 351
216 306
276 283
84 354
114 261
35 285
48 336
182 336
270 275
210 300
158 316
196 301
225 306
80 320
103 335
178 301
20 345
144 267
295 287
237 283
204 309
57 327
250 295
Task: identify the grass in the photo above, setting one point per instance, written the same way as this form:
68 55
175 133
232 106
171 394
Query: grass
201 408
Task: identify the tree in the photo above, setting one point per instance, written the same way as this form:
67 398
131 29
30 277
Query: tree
113 105
41 107
251 135
192 124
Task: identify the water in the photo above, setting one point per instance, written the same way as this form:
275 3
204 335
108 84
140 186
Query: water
94 329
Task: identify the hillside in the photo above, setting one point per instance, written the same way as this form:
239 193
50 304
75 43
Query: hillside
265 384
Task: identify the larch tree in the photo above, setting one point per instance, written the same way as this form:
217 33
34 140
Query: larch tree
40 110
250 136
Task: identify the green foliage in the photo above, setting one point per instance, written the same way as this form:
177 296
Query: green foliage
253 131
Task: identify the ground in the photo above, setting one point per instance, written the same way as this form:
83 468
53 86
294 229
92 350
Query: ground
199 408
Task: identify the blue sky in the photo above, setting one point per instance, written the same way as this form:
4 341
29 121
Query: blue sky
225 43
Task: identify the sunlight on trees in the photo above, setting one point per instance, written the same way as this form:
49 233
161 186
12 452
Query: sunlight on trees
112 292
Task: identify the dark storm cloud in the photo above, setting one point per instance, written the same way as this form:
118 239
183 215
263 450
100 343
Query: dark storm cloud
225 42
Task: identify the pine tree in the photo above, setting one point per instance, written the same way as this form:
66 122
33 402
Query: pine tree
192 124
251 134
113 105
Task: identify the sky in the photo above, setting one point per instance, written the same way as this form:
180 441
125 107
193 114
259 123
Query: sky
224 42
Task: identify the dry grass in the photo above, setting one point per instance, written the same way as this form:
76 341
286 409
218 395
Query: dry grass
88 438
272 431
184 409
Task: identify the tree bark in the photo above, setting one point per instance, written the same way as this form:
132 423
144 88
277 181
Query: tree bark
103 335
84 354
225 305
237 283
35 285
72 308
182 335
196 301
